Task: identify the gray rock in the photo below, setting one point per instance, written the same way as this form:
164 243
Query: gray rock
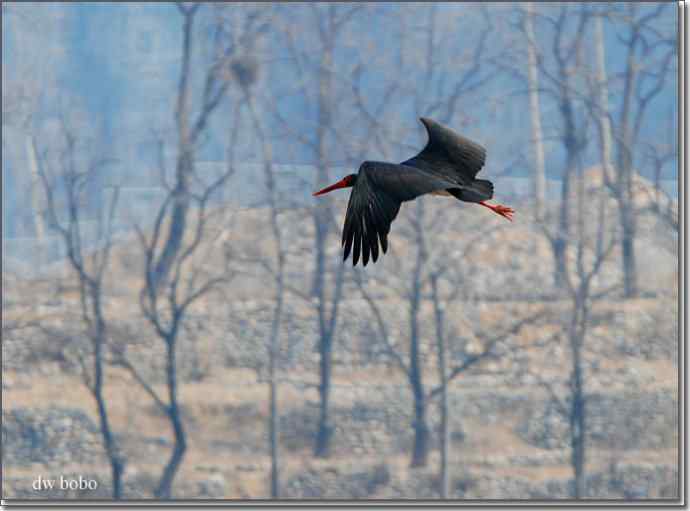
53 437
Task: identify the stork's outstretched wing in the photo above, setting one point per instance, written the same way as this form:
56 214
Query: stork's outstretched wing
449 154
375 201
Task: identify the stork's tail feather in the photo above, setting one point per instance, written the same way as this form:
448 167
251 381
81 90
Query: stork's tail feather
483 187
479 190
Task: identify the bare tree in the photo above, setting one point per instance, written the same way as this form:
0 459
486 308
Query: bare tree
442 365
659 155
415 282
451 90
561 85
576 331
330 19
276 267
650 50
26 84
64 183
594 243
314 63
445 331
173 282
331 140
603 120
190 131
166 308
580 294
538 174
421 429
595 247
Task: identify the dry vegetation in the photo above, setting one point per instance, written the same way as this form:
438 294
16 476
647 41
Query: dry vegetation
223 395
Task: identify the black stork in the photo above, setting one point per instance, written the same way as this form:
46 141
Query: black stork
447 165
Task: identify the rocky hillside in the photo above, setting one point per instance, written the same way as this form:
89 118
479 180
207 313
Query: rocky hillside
508 438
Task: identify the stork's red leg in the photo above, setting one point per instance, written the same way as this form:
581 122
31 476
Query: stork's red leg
500 209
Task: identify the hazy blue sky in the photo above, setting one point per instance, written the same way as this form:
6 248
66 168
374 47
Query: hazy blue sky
117 65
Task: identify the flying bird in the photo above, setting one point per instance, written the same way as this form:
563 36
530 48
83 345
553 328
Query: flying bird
447 165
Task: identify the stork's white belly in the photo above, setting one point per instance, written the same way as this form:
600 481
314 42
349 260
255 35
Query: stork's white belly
442 192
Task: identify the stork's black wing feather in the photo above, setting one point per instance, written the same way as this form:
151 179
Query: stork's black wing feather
449 154
375 201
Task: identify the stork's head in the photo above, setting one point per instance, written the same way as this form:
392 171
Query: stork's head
346 182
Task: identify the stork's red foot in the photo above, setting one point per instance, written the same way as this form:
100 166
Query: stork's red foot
500 209
504 211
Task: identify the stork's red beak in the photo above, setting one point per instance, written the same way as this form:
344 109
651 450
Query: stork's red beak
343 183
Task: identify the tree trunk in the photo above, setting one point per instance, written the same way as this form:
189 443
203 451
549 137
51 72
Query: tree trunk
626 206
116 464
178 222
273 355
573 146
560 241
111 449
420 450
625 183
578 409
35 179
538 175
164 489
628 221
577 430
443 377
559 248
445 437
628 249
185 164
274 342
324 434
322 210
602 118
325 431
273 431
